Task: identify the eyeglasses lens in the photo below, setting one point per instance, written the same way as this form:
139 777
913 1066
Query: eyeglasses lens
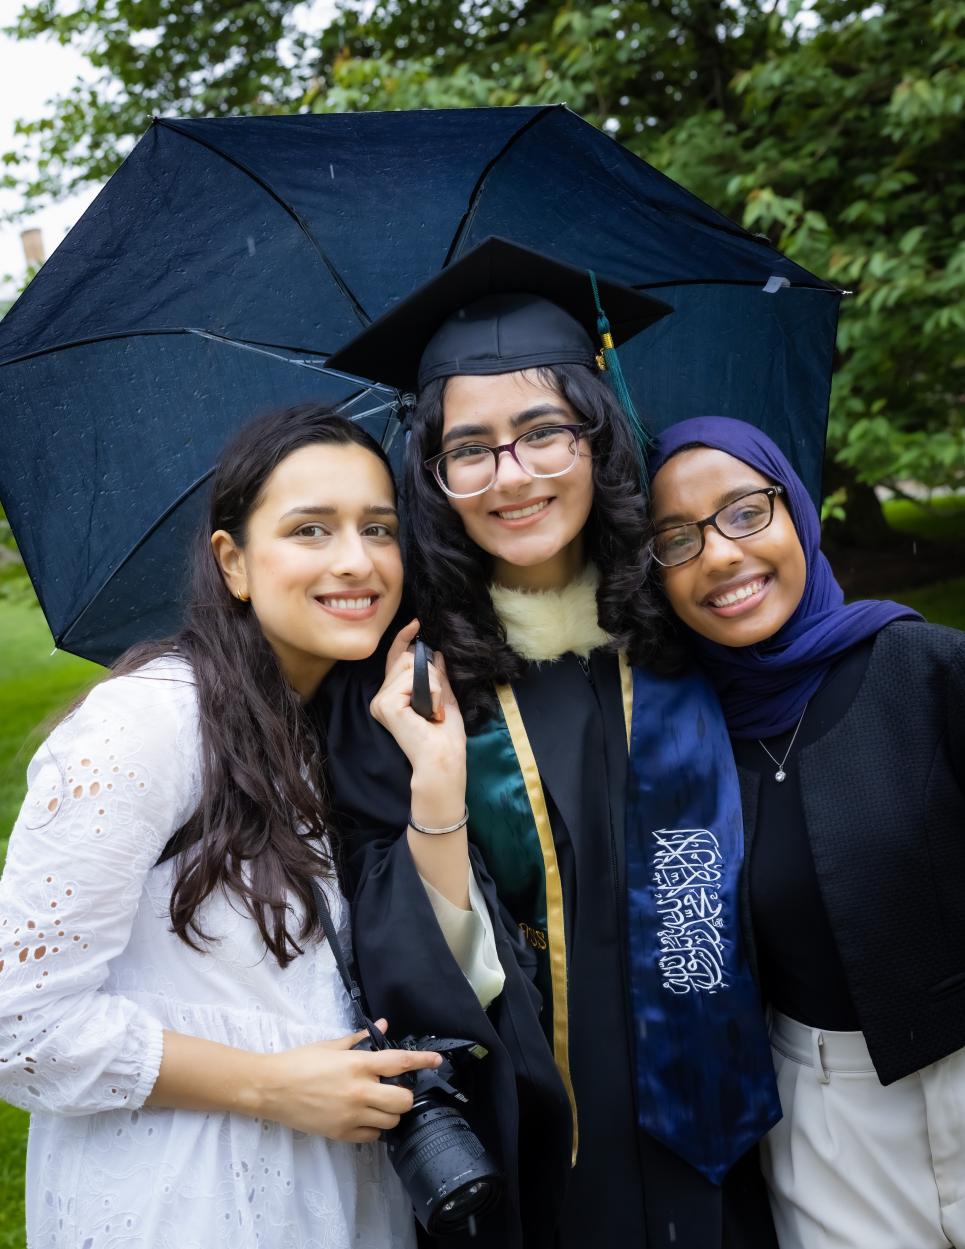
676 546
546 452
467 470
745 516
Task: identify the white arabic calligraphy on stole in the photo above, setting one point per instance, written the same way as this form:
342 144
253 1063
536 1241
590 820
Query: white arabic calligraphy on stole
687 871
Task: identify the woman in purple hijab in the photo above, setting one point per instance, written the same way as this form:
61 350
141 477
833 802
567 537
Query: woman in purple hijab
848 725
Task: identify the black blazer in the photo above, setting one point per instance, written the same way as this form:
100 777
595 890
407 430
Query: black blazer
884 805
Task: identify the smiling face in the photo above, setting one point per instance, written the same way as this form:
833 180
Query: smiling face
736 591
531 526
320 562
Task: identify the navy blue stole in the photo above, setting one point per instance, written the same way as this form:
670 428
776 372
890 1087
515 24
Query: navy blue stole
705 1080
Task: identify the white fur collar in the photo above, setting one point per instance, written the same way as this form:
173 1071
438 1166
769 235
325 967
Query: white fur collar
545 624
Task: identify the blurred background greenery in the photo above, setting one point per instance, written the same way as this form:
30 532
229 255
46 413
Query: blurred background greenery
831 126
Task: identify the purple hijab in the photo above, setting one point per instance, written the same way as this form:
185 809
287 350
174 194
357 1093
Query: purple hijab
764 688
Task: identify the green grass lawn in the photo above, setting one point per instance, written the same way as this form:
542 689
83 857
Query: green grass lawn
36 685
13 1146
941 519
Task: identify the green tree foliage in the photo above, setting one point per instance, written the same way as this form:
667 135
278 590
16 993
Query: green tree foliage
151 58
832 126
847 150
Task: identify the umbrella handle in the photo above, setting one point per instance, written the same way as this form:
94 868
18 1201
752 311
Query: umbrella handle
421 696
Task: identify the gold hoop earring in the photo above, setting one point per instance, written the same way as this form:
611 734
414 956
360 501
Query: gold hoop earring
242 597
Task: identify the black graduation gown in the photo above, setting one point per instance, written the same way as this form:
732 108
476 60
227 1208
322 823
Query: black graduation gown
625 1189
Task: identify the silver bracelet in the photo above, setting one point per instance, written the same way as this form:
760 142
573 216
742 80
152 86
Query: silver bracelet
437 832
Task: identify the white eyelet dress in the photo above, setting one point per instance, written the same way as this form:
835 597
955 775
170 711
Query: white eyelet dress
90 975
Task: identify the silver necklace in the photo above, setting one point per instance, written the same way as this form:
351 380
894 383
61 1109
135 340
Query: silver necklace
780 774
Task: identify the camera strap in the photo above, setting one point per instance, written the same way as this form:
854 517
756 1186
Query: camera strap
362 1020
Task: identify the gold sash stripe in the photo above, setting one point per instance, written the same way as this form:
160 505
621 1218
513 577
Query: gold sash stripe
556 932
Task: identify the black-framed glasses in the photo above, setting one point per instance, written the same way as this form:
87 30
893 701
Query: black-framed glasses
742 517
549 451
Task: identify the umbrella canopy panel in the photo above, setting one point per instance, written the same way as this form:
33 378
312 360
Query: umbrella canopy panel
180 237
564 186
762 358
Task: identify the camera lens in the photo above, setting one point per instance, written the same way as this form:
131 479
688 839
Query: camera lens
443 1166
467 1201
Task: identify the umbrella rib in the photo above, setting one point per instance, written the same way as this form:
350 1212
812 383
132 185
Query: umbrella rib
170 331
336 277
466 219
262 349
149 532
825 288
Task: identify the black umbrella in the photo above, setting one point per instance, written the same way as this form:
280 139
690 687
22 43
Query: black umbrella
227 259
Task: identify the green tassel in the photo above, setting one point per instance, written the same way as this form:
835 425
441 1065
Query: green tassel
610 363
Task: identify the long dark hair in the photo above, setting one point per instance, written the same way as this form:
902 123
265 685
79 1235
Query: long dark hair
450 573
260 828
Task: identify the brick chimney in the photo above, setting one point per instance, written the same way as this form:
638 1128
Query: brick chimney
33 246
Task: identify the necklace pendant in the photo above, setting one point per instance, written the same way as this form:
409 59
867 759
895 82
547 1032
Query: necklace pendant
780 774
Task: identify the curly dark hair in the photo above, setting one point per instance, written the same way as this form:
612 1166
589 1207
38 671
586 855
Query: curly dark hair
449 574
261 827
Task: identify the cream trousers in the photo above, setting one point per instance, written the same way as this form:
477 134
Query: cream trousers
857 1165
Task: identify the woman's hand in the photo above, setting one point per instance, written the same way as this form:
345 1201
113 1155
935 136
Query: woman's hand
327 1089
333 1090
435 748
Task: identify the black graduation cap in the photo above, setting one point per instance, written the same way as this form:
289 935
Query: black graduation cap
500 308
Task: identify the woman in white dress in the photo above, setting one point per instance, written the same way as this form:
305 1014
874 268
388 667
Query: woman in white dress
170 1013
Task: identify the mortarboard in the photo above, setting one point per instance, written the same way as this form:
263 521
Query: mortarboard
499 309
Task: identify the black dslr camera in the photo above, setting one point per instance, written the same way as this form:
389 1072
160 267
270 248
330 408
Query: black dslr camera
449 1176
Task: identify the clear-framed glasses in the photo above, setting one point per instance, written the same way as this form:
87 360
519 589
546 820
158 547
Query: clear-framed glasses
752 512
549 451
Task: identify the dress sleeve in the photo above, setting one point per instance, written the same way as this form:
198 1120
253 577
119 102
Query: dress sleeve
106 791
469 935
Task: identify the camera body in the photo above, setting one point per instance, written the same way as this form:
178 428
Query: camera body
442 1164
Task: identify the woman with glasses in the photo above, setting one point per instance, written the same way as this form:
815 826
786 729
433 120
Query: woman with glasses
527 552
848 725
